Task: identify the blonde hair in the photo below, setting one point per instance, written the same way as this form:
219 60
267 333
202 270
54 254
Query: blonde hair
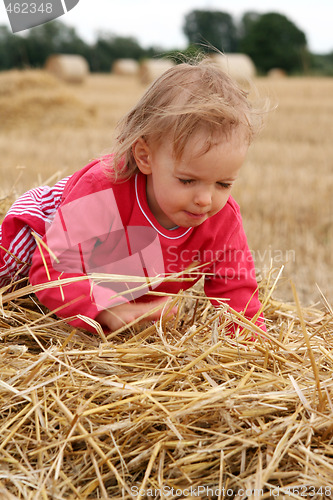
187 98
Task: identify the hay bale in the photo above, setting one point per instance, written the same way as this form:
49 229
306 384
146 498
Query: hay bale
175 405
277 73
240 67
150 69
70 68
125 67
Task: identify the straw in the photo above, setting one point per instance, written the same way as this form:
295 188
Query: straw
171 409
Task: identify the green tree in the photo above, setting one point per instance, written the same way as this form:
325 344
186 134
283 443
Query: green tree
52 38
108 48
246 23
212 27
274 41
322 64
11 50
32 48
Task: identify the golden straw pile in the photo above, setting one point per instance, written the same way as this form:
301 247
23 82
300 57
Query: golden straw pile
174 409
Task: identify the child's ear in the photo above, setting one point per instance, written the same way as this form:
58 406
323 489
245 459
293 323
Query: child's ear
142 155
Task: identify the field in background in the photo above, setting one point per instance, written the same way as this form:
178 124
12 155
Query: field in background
49 130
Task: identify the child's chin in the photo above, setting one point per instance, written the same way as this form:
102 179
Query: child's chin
193 224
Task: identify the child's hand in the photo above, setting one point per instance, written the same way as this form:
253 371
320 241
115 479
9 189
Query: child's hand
119 316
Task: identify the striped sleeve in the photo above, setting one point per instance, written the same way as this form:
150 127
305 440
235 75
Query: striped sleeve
31 212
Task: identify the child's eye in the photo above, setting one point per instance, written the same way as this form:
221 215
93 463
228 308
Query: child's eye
186 181
224 185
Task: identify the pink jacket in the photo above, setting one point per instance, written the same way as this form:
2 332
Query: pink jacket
102 228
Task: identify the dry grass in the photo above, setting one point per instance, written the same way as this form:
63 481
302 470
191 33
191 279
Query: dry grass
285 191
172 407
178 404
38 100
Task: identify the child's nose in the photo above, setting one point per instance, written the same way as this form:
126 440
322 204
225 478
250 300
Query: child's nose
203 198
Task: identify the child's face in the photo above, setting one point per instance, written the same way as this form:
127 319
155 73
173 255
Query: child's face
188 191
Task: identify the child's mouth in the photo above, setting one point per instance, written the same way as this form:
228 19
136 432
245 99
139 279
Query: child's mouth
195 216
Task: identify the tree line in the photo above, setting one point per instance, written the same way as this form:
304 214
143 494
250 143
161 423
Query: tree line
270 39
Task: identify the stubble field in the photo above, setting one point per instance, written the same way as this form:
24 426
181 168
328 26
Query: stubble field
50 129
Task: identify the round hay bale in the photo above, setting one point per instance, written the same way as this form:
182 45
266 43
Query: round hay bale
150 69
125 67
70 68
240 67
277 73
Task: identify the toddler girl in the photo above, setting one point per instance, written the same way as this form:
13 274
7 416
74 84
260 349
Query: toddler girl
146 213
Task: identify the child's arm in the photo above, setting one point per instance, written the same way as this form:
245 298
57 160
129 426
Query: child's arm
233 278
85 241
85 297
71 249
119 316
81 296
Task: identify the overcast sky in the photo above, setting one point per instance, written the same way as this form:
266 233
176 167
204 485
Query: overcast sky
159 22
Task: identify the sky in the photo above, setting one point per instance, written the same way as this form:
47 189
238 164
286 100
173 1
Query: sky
159 22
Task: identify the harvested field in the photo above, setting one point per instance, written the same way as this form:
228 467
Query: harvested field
177 409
